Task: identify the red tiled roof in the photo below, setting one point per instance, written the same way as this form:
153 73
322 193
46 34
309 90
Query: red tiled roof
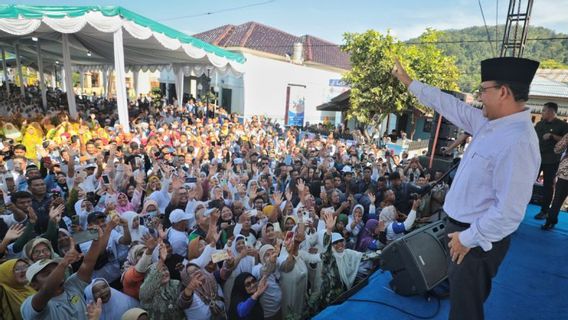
256 36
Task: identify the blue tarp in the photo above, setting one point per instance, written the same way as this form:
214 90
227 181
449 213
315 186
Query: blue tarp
531 284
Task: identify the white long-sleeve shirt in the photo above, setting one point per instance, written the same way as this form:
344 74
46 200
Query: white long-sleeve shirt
494 181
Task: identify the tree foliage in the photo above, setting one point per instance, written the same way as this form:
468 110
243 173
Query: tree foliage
374 91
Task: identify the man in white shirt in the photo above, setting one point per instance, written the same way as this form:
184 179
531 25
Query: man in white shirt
493 184
177 234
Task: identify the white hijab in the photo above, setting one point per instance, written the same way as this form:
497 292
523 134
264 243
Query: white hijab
347 263
135 234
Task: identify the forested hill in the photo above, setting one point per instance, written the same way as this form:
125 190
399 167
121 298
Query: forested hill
470 45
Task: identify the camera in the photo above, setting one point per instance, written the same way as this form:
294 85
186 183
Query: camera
414 196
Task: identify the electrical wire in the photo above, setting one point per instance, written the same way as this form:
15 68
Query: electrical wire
400 309
486 28
219 11
411 42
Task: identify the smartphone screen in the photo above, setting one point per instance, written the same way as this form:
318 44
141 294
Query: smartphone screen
106 179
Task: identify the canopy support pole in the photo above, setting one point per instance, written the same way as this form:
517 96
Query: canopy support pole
136 81
82 82
67 69
62 78
20 72
179 85
41 77
5 68
120 83
105 82
54 77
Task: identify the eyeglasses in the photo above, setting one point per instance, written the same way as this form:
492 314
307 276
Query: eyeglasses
250 283
21 269
482 89
43 251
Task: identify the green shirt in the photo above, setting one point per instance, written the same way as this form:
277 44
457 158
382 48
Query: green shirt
557 127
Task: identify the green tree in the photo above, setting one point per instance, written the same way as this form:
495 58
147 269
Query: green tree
552 64
374 91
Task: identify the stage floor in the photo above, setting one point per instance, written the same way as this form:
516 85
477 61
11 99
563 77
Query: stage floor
532 283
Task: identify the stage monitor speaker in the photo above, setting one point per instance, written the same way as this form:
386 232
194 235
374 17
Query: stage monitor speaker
418 261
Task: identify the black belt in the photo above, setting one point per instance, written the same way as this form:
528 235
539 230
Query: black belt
457 223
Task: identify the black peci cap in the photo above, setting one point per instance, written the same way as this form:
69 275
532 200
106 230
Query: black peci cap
509 69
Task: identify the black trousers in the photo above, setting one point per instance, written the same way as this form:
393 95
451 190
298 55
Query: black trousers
560 194
470 281
548 174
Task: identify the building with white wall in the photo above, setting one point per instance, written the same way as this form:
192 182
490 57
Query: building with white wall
281 72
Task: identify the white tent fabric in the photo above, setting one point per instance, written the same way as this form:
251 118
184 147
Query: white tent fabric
92 38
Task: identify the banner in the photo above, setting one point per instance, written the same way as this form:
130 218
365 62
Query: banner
296 105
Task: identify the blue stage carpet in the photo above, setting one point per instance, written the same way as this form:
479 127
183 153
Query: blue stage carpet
532 283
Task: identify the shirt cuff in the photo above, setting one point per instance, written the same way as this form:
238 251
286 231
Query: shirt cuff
415 87
469 239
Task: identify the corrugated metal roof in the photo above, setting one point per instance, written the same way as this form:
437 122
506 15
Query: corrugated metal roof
548 88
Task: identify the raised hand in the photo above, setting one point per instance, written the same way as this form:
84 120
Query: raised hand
329 219
278 198
150 242
215 215
301 185
262 285
32 216
372 197
197 280
72 255
14 232
94 309
289 195
163 252
55 213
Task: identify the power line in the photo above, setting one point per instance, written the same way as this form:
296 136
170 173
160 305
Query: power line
412 42
208 13
486 28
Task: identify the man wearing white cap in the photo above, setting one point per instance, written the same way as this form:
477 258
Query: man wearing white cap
177 234
57 297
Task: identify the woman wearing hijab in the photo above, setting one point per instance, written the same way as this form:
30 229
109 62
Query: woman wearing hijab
368 239
268 268
136 265
243 263
135 314
14 288
294 275
150 211
137 231
159 293
355 225
38 249
115 303
340 265
202 298
244 298
123 204
268 236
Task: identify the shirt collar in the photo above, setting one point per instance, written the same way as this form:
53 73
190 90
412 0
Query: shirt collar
510 119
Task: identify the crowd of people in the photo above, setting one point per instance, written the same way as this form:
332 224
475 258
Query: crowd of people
192 214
